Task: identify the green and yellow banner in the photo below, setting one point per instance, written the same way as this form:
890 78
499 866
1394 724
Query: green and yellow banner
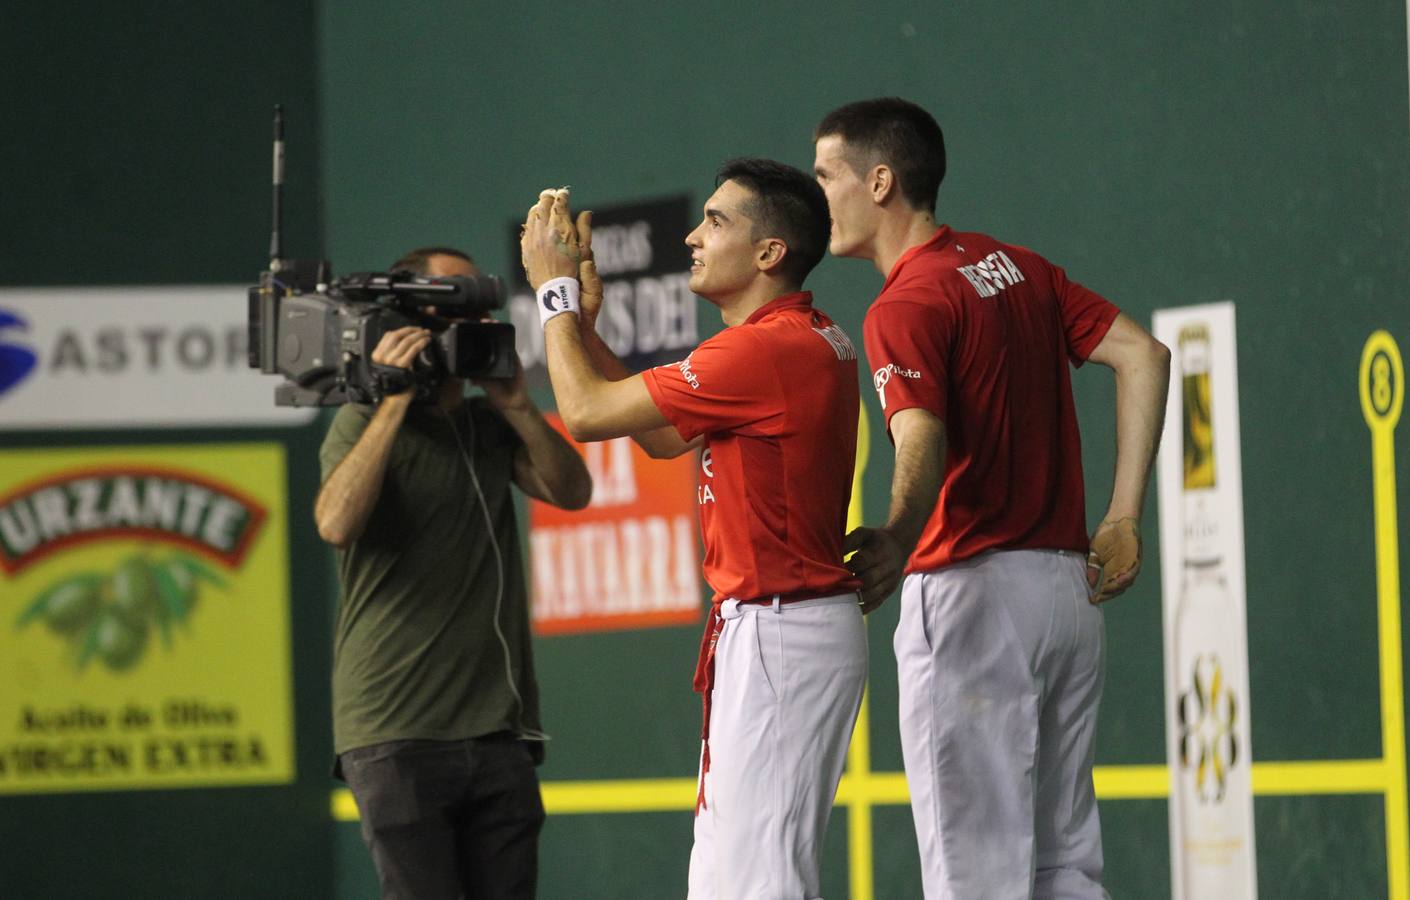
144 618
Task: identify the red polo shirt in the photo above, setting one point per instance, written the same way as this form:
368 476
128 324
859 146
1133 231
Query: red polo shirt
981 334
776 400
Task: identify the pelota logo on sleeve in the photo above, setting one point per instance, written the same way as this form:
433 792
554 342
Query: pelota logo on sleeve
882 376
144 618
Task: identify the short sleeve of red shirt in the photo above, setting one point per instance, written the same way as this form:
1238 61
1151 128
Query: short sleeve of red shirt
909 346
726 384
1086 316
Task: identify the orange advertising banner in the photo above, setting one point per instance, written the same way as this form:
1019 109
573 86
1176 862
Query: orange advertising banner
632 558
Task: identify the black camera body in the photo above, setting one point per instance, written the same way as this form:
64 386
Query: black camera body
319 333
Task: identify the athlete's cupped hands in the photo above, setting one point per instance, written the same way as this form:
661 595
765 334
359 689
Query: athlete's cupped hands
552 245
879 562
588 279
548 243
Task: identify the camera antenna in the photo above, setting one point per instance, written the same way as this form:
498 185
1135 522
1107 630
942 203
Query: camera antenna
276 244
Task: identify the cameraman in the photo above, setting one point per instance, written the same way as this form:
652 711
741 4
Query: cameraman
435 704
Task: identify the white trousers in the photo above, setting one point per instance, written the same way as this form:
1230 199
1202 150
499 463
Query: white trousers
1000 662
788 684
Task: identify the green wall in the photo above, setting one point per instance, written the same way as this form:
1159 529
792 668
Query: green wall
1165 155
136 151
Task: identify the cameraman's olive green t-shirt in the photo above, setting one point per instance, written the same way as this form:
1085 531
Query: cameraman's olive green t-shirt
416 653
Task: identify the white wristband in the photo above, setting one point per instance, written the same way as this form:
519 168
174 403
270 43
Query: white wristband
558 295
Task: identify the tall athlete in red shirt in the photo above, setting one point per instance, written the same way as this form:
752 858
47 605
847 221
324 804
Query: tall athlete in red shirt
771 403
999 651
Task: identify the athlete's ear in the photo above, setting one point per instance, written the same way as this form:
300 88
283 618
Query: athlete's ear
771 254
881 183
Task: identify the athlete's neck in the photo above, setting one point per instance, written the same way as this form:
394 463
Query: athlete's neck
735 309
899 233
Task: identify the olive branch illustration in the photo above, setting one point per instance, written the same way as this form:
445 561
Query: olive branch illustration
110 615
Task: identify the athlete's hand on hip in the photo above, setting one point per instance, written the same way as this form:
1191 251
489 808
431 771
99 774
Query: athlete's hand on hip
590 301
1115 558
879 562
548 245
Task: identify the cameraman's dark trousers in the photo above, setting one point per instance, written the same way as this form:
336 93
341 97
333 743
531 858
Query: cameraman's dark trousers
449 819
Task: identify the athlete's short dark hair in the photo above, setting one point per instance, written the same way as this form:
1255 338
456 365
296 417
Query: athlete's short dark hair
788 204
897 133
418 262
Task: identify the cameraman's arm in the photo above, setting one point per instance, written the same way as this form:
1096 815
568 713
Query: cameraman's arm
350 491
346 499
546 467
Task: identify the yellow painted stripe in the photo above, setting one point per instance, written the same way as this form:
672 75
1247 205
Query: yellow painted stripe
859 803
1382 388
854 506
561 798
344 806
626 795
875 789
860 869
1270 779
1302 779
1131 782
629 795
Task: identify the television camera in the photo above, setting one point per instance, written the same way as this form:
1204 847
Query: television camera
319 332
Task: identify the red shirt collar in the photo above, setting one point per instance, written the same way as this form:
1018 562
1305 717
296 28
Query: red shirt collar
779 304
943 235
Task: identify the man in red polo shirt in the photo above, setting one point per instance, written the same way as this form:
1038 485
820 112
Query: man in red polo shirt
999 649
771 403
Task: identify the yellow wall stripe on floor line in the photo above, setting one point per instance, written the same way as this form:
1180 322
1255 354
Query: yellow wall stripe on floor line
1301 779
860 871
1131 782
859 837
634 795
1381 385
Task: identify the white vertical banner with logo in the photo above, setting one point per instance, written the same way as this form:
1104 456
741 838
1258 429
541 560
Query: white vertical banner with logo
1212 850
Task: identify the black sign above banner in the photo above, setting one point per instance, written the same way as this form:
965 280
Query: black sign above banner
648 313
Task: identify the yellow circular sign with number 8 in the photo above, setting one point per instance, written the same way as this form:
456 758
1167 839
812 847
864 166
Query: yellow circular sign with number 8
1382 381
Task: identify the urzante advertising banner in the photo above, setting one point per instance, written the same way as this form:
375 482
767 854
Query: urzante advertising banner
648 313
1207 713
144 637
632 558
132 357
